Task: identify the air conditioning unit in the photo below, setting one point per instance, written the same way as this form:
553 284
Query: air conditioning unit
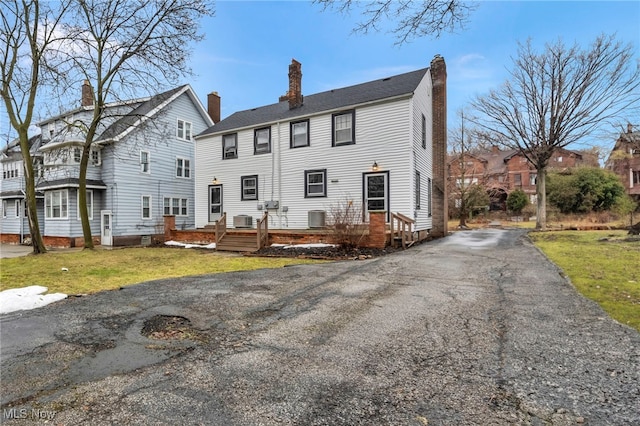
316 218
243 221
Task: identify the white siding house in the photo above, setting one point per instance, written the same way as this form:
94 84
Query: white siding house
370 144
141 168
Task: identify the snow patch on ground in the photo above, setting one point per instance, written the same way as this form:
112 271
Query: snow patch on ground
185 245
19 299
311 245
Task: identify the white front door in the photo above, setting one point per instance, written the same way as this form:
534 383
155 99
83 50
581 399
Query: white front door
106 238
376 193
215 202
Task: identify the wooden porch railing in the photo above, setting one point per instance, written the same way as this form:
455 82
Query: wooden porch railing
401 230
262 227
221 227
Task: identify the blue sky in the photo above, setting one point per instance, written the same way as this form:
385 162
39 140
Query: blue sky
249 46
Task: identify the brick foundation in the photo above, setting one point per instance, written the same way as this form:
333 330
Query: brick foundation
10 238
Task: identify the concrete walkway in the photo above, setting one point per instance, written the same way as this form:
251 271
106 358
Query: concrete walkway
14 250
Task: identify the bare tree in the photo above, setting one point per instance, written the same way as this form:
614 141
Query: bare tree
413 19
27 31
125 47
466 178
558 97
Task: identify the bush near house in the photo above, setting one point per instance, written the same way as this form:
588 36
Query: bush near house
584 190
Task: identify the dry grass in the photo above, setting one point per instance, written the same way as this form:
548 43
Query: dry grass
89 271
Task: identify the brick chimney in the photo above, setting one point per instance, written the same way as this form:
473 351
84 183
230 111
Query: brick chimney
495 149
294 95
213 106
439 198
87 94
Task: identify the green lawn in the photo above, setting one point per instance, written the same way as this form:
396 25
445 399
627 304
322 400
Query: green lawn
89 271
602 265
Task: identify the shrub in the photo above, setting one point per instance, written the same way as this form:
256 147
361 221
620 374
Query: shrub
346 223
517 200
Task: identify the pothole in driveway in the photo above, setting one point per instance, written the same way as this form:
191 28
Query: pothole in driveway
169 327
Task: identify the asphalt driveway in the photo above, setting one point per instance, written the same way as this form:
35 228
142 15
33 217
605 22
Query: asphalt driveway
476 328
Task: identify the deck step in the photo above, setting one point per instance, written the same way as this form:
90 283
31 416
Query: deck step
236 242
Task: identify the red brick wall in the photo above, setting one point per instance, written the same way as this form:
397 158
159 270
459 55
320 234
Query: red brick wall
10 238
439 197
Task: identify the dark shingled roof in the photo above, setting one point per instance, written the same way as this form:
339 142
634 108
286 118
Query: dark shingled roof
70 182
129 120
397 85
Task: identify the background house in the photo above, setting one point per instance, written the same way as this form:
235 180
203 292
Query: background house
502 171
141 168
624 161
380 144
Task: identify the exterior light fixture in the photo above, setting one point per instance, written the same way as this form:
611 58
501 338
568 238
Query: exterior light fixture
375 166
215 180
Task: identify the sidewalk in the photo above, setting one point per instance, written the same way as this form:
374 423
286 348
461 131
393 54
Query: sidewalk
14 250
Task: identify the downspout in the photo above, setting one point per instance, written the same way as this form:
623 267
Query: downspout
279 179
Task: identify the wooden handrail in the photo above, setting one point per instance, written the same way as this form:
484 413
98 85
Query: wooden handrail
403 229
263 230
221 227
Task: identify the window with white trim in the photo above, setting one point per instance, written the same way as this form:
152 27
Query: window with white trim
18 209
146 206
343 128
56 204
89 204
262 141
299 134
145 166
175 206
249 186
4 208
183 130
183 167
230 146
77 154
96 158
315 183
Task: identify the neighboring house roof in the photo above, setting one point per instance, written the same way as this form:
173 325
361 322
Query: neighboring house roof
12 151
390 87
146 109
143 109
18 194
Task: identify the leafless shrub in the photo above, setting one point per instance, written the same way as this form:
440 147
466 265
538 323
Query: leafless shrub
346 222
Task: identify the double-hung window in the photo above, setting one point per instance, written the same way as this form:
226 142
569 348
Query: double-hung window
95 157
183 130
4 208
249 187
315 183
175 206
262 141
230 146
89 204
429 197
144 162
343 128
77 154
56 204
183 168
146 206
18 209
299 134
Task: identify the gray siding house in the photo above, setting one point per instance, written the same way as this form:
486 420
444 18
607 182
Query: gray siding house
141 168
379 144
